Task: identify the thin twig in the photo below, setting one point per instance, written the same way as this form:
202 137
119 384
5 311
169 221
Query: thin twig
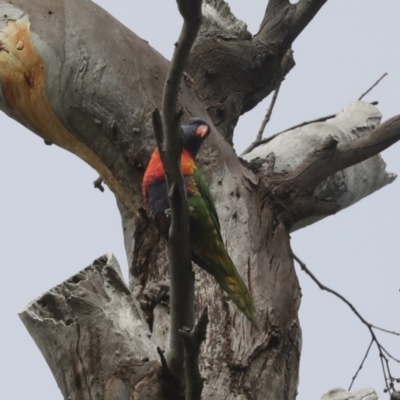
361 365
269 113
389 380
164 363
323 287
166 373
264 122
269 138
98 184
382 357
321 119
373 86
389 355
385 330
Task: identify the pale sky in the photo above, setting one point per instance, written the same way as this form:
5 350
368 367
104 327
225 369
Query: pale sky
53 223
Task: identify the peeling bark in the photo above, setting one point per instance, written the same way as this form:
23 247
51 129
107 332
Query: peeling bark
23 78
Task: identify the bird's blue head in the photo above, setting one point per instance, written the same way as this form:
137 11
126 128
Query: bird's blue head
193 133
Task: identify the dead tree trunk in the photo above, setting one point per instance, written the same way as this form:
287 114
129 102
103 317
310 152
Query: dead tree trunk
64 77
90 327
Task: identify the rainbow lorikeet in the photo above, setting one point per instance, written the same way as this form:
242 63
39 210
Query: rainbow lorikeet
208 250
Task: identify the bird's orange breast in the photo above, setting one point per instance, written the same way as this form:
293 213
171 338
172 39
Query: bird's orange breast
155 169
187 163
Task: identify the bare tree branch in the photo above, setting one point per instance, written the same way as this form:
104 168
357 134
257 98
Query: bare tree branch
181 274
388 377
166 373
294 17
269 113
321 119
361 365
385 330
277 3
306 10
264 122
268 139
192 341
267 54
364 94
332 157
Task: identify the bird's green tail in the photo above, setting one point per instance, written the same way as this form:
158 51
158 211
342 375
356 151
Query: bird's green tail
229 279
238 292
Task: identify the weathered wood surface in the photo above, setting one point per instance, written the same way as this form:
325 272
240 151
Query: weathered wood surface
341 394
345 187
66 78
94 98
90 329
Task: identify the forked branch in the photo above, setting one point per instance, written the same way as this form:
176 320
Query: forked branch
294 17
192 341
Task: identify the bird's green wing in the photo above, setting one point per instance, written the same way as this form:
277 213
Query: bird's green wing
208 250
205 231
206 195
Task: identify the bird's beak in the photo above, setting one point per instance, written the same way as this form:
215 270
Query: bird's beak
202 131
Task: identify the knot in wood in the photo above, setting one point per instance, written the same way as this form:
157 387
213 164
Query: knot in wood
210 73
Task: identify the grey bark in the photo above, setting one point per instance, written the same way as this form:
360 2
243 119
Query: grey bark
346 187
89 329
93 94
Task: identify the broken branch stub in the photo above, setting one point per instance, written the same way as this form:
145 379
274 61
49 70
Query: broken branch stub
92 325
346 187
341 394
